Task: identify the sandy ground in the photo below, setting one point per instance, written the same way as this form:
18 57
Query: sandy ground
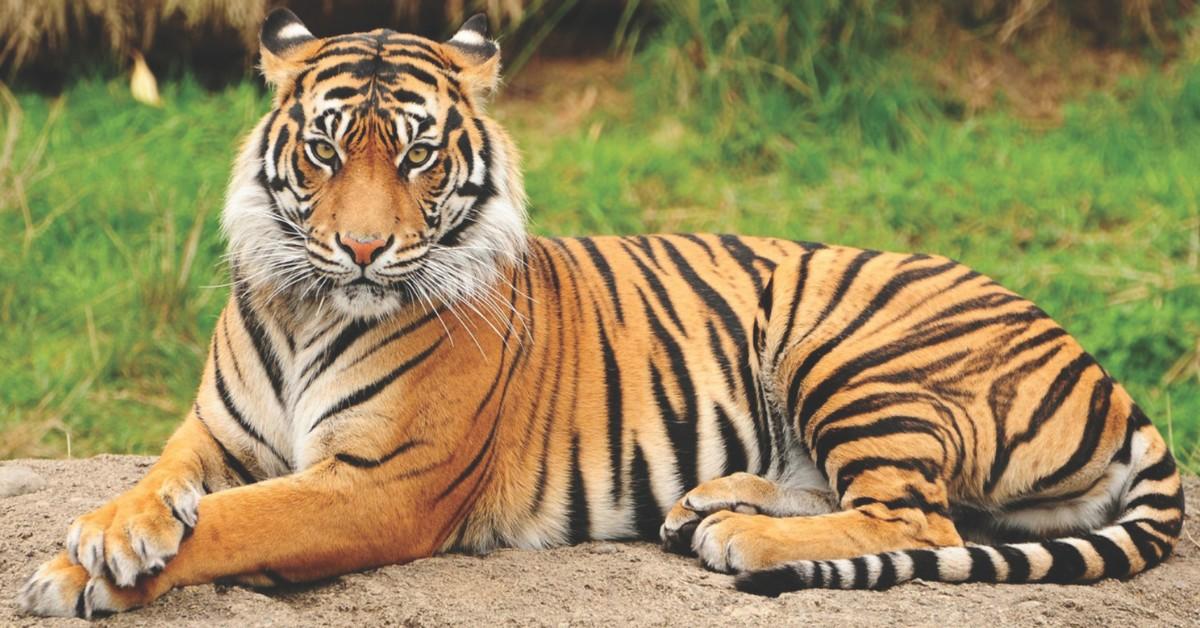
590 584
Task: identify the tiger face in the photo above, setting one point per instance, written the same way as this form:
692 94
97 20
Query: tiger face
376 180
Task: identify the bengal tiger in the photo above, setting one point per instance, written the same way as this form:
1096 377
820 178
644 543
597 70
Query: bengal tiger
402 370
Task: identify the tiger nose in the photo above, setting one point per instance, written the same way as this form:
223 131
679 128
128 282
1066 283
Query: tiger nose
363 250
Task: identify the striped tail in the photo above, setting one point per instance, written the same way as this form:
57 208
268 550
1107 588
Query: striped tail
1147 527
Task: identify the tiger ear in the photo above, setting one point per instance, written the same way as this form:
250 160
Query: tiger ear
284 43
478 56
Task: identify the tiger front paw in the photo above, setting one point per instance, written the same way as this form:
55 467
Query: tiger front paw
731 542
136 533
60 588
742 493
680 525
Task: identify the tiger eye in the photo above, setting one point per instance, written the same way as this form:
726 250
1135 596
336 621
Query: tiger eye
324 151
417 155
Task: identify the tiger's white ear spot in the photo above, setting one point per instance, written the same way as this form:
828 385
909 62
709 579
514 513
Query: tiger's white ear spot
294 31
471 39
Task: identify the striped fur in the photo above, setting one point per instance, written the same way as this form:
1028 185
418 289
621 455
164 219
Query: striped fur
803 415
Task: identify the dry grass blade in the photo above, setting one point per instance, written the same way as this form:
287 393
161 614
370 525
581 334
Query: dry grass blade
12 130
1022 13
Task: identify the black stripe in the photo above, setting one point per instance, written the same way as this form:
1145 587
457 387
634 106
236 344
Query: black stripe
746 258
369 391
878 303
719 356
861 571
680 429
579 528
656 286
826 440
647 514
835 575
482 193
989 302
1093 431
237 368
473 464
982 569
1148 546
233 411
1158 501
924 564
341 93
851 470
262 345
731 444
401 39
400 333
612 388
912 499
1067 564
820 394
231 460
346 49
762 419
1058 392
368 463
1116 563
606 274
848 276
790 322
1018 563
405 96
887 572
432 59
1170 528
818 574
1157 472
415 72
336 348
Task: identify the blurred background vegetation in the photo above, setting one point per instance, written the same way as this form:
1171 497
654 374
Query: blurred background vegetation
1052 145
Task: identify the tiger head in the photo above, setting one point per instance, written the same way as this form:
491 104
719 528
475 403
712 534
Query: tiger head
377 179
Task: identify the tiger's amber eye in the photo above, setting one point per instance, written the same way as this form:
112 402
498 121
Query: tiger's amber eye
417 155
324 151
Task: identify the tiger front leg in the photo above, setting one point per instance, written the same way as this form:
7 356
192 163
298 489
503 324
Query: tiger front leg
743 493
331 519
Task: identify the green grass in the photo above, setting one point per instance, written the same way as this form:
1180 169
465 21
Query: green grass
112 278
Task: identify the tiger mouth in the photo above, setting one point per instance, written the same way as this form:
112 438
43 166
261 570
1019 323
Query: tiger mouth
365 282
364 286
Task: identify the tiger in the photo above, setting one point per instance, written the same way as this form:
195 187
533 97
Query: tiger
403 370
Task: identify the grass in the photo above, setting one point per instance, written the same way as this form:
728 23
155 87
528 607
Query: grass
112 280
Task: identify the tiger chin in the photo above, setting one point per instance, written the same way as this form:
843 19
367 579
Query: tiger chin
401 371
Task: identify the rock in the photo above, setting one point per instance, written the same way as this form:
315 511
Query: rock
18 480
